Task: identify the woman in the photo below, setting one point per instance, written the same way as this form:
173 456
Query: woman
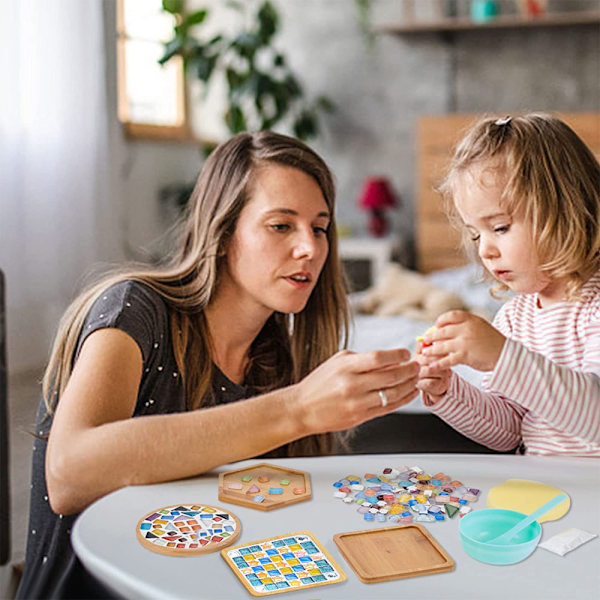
244 323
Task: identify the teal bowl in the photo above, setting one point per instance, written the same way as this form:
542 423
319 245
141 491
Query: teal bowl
477 528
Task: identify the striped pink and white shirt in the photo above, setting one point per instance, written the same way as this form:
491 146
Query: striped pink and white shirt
545 389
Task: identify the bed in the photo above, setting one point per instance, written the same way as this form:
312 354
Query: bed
412 428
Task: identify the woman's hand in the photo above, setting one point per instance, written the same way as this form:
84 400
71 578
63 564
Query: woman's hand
344 391
463 338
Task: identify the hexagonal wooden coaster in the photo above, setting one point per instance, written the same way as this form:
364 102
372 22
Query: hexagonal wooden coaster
264 486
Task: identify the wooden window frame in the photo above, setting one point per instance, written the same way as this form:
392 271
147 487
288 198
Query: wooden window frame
148 131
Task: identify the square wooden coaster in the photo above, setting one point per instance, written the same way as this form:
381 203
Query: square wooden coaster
283 563
393 553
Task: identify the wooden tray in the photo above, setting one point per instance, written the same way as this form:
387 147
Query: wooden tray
290 493
393 553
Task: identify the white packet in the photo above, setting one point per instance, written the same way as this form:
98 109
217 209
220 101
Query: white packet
568 540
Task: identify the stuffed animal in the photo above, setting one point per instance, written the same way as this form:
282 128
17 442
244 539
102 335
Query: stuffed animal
403 292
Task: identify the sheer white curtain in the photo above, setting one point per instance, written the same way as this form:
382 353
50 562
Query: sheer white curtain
53 146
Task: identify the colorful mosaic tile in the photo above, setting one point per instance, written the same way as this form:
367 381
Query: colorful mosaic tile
404 494
188 529
284 563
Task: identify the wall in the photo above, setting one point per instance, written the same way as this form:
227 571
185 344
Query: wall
381 90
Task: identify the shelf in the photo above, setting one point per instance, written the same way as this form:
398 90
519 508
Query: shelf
451 24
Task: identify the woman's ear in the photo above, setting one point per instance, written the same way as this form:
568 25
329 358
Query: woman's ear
223 247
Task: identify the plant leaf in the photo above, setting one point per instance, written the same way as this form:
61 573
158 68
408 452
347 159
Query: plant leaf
196 17
172 47
325 103
305 125
293 86
173 6
235 119
204 66
246 44
268 22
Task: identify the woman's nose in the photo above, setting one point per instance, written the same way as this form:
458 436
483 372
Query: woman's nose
304 245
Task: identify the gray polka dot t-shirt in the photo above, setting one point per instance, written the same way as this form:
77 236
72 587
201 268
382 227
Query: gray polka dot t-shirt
51 568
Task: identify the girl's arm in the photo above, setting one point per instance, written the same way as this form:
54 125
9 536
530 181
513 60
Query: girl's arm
485 417
567 399
95 446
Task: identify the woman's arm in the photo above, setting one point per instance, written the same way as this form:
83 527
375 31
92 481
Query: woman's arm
95 446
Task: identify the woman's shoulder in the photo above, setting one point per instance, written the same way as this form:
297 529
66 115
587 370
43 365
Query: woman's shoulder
130 296
131 306
127 291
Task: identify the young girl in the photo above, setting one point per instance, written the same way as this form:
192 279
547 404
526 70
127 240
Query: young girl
244 324
526 193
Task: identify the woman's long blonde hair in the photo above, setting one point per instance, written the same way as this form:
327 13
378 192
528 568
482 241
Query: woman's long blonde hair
551 176
287 348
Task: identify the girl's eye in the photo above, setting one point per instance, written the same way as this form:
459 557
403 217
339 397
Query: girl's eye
320 230
501 229
475 238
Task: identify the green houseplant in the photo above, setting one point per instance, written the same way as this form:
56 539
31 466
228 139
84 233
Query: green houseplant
261 89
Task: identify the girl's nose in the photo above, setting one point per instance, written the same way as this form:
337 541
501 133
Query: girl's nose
487 249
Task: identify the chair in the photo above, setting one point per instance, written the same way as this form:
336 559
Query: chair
400 432
4 463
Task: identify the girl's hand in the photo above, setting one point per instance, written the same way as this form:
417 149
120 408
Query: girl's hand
463 338
344 391
432 381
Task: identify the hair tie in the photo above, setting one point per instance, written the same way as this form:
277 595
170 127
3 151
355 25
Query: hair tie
503 121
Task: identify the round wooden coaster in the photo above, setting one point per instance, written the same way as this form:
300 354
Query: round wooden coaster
188 529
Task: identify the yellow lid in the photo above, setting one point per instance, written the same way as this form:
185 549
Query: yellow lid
526 496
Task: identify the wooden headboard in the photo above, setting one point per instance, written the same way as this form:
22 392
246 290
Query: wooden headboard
437 243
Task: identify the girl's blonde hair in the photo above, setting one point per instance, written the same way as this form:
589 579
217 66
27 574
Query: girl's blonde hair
288 347
552 178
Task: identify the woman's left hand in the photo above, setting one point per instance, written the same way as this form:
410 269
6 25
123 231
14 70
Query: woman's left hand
463 338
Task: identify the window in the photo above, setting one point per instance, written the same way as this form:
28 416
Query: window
151 97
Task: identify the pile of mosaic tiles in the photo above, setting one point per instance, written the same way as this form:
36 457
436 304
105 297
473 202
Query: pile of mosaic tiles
406 494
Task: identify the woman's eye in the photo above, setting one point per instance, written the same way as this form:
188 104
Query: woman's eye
475 238
279 227
501 229
320 230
